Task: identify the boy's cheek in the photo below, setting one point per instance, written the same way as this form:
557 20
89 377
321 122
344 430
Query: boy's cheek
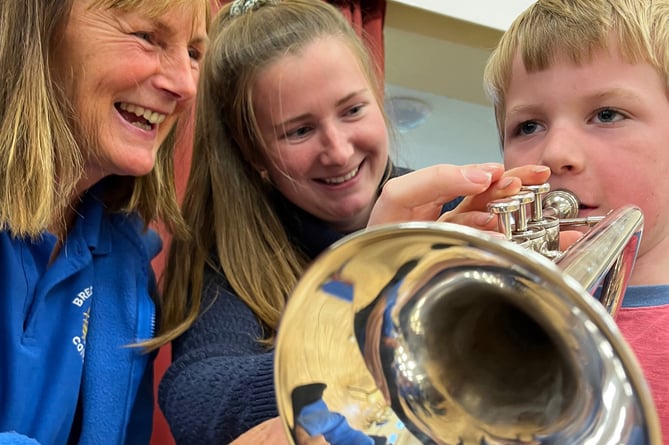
513 159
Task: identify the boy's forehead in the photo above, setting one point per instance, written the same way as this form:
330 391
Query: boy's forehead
560 56
605 74
563 52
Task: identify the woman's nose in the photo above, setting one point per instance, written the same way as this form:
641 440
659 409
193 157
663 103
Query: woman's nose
337 148
178 77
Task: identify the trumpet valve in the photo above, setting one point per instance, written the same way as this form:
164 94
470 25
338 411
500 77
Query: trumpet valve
504 208
539 191
522 215
562 204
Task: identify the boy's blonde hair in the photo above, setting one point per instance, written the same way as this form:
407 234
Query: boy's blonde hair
575 29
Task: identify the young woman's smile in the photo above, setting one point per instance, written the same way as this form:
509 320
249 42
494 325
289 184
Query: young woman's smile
324 132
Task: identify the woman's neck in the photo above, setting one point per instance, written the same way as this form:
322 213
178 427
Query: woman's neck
62 224
358 222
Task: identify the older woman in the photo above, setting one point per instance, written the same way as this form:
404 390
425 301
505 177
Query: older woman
90 91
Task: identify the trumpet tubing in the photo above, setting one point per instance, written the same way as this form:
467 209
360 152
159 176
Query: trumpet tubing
441 334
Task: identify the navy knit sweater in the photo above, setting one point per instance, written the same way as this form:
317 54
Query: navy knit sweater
221 382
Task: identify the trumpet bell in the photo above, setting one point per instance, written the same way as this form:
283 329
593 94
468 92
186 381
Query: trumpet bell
438 333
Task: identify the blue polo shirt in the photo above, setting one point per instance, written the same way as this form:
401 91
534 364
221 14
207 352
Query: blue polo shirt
64 325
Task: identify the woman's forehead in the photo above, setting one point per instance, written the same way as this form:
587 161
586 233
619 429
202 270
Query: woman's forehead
153 8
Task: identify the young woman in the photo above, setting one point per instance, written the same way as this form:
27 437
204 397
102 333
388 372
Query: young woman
291 153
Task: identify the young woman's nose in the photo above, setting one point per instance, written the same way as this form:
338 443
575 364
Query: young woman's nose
337 148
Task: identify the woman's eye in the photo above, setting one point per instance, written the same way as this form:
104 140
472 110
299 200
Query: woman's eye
145 35
195 54
608 115
354 110
298 133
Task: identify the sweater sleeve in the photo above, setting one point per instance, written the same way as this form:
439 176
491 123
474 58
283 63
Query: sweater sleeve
12 438
221 381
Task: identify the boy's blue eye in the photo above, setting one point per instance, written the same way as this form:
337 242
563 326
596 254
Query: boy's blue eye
528 127
608 115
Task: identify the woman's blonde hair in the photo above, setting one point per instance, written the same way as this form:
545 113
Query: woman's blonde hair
40 151
228 206
575 29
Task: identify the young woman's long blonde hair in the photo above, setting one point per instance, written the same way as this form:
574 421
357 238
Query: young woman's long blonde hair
227 205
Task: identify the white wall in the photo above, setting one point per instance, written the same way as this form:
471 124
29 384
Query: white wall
496 14
457 131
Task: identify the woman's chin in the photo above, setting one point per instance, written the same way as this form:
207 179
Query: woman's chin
350 219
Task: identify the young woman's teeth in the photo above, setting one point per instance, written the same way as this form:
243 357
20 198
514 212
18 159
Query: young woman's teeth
151 117
340 179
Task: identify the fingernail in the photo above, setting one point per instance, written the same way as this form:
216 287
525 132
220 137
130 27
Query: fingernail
491 166
540 169
484 220
504 183
476 175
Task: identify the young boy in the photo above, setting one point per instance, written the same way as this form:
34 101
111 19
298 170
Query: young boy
581 86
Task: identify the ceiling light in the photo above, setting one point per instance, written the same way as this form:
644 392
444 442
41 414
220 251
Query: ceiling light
407 113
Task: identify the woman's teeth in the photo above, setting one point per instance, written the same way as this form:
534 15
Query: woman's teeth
340 179
151 117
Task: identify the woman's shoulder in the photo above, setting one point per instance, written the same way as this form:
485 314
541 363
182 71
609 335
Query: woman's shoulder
220 300
129 230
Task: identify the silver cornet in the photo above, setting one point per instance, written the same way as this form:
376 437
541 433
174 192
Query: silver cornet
437 333
534 217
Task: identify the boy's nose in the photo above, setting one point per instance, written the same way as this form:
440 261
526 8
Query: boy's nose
562 152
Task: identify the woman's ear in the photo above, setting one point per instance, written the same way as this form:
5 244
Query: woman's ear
264 175
262 171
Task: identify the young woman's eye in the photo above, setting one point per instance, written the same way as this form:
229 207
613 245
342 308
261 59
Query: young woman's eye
354 110
607 115
298 133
